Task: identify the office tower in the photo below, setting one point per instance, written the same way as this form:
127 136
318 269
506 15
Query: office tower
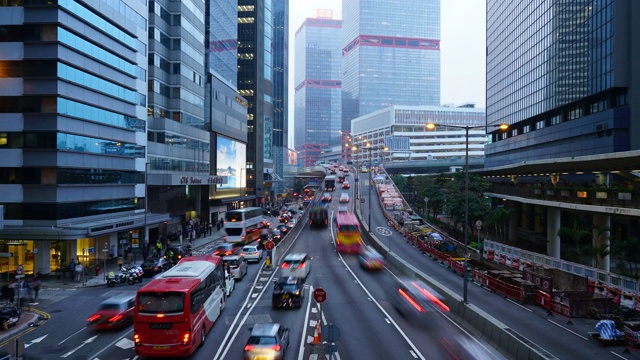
225 110
390 55
72 131
255 84
280 96
560 73
318 84
178 133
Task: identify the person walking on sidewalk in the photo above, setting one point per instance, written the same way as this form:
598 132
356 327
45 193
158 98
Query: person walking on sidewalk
62 270
35 286
79 268
72 268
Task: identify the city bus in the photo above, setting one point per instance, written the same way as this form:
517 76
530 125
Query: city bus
330 183
174 312
319 216
242 226
347 233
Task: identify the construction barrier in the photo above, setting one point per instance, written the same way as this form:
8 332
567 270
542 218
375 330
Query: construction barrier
630 341
543 299
508 290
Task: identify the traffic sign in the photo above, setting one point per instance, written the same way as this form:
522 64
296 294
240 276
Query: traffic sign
319 295
269 245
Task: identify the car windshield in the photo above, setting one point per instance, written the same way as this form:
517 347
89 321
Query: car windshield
261 340
286 287
249 249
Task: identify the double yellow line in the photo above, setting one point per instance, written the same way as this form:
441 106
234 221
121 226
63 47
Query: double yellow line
43 316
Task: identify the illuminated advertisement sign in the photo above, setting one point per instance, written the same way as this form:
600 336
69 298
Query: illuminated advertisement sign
231 162
293 157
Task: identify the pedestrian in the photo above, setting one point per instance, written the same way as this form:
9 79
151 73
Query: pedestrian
78 271
120 262
35 285
62 270
72 268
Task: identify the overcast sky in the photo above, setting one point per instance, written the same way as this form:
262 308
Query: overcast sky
462 44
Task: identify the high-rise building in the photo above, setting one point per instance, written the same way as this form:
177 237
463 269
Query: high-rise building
225 110
280 96
390 55
560 74
72 131
255 83
178 133
318 81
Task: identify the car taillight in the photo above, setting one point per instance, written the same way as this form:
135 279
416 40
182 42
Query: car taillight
411 300
302 265
242 237
93 318
275 347
285 265
185 338
249 347
115 318
155 268
136 339
224 237
241 254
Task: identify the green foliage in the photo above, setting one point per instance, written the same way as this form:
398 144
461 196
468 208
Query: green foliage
579 238
629 252
456 198
401 183
498 220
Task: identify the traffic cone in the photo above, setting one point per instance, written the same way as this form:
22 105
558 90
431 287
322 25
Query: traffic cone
316 334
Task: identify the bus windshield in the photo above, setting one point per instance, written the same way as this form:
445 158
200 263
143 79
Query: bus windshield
160 302
348 228
233 216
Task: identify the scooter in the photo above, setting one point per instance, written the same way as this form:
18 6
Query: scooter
115 279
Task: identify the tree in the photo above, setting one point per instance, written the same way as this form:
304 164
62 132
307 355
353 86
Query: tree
401 183
498 218
629 253
578 237
432 189
456 199
602 249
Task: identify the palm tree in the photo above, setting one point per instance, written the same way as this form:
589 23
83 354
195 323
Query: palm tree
498 218
599 252
578 237
629 252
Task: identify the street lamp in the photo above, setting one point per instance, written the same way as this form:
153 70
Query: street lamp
146 207
432 126
370 147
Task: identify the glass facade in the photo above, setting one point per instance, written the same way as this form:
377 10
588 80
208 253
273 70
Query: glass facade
394 64
558 72
222 39
280 90
318 85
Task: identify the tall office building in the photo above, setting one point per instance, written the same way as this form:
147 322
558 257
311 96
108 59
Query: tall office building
255 83
561 74
318 82
72 131
179 152
390 55
225 110
280 96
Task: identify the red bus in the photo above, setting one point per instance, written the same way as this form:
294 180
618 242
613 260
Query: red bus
174 312
347 233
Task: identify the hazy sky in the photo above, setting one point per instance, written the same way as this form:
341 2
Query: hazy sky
462 44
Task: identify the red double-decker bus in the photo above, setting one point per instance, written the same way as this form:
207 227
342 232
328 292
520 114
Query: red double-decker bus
174 312
347 233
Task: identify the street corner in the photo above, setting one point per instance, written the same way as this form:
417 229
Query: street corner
28 319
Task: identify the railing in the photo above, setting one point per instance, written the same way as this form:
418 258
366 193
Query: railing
624 283
576 195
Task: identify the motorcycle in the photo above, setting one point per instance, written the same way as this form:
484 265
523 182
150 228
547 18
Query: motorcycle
122 278
134 271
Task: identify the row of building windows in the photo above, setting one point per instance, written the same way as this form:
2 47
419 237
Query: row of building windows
92 113
34 176
97 21
95 83
178 165
177 140
96 52
123 8
72 142
60 211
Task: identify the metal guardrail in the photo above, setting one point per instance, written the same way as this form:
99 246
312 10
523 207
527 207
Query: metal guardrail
624 283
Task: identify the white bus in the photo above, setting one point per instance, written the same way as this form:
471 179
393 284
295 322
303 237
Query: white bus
242 226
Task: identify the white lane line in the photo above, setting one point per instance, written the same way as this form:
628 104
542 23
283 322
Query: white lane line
618 355
95 356
571 331
520 305
304 332
413 354
72 335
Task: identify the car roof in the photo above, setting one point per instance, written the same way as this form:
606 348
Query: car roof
250 246
265 329
120 298
296 256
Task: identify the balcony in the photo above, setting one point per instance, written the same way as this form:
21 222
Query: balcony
585 195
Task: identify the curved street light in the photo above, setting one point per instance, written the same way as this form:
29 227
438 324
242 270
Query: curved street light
432 126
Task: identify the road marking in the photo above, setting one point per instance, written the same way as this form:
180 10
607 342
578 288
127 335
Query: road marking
520 305
72 335
89 340
35 341
562 327
384 231
125 343
413 354
95 357
618 355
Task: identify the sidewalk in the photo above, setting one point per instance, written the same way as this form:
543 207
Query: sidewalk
93 280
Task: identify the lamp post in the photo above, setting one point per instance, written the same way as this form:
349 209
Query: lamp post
370 182
146 208
432 126
353 150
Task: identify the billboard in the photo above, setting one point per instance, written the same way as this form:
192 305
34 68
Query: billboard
293 157
231 162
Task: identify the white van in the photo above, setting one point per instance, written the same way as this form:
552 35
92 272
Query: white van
297 265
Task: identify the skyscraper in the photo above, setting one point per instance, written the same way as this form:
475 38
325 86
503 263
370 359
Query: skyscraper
390 55
318 82
72 130
255 83
280 95
561 75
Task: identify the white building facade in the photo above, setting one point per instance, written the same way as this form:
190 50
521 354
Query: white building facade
399 133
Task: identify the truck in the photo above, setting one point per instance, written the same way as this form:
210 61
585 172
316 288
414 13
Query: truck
330 183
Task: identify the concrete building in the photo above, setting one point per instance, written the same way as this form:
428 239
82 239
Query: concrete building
390 55
318 81
73 86
561 74
402 131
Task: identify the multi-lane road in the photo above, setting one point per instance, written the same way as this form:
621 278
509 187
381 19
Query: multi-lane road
358 304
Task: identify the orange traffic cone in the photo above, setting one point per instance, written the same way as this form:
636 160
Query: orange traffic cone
316 334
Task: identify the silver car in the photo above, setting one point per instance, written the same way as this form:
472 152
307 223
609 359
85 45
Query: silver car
268 341
251 253
236 265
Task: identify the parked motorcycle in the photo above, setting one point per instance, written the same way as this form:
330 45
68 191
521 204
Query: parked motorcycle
134 271
114 279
